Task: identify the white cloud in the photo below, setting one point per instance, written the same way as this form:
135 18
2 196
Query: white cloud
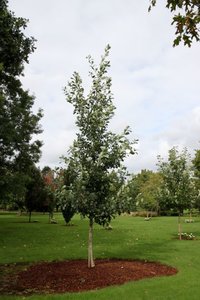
155 86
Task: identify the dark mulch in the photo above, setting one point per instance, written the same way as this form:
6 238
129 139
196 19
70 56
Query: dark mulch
75 276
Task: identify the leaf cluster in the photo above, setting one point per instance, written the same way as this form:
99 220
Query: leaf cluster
186 20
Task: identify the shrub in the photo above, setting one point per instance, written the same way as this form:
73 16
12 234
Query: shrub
187 236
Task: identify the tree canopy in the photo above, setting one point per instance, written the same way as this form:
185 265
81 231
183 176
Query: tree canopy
176 190
18 123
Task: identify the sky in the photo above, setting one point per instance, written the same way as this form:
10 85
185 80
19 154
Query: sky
156 87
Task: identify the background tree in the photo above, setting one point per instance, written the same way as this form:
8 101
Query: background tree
176 190
18 124
36 194
50 186
196 167
134 185
64 194
186 19
96 150
147 198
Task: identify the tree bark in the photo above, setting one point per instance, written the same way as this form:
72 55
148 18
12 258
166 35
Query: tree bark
29 217
91 263
179 227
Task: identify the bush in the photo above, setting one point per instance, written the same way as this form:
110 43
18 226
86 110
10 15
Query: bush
169 213
187 236
68 212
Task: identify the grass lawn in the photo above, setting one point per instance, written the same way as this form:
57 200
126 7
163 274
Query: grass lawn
131 237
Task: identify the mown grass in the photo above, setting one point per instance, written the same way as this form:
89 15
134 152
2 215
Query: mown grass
131 237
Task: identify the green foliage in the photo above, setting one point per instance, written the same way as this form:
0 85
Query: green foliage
176 191
18 123
96 152
142 190
66 202
147 199
68 212
186 19
15 46
49 182
64 194
196 164
196 167
36 195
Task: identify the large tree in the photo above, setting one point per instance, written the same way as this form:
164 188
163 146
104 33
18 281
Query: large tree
18 123
176 190
96 152
186 19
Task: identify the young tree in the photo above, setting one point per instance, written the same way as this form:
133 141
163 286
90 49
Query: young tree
96 152
187 19
18 123
176 190
134 185
147 197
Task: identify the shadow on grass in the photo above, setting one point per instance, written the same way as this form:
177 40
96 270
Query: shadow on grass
26 222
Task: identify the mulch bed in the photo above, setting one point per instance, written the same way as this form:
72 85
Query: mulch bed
75 276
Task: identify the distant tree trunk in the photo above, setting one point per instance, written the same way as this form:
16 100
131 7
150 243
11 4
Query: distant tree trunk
29 217
91 263
19 213
50 216
179 226
190 218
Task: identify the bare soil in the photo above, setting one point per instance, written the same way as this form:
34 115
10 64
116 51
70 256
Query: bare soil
75 276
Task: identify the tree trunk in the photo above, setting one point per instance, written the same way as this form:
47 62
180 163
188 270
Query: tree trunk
19 212
29 217
91 263
179 227
49 218
190 218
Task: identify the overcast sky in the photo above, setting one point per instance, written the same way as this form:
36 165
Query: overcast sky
156 87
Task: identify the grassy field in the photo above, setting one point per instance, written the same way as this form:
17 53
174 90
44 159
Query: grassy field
131 237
